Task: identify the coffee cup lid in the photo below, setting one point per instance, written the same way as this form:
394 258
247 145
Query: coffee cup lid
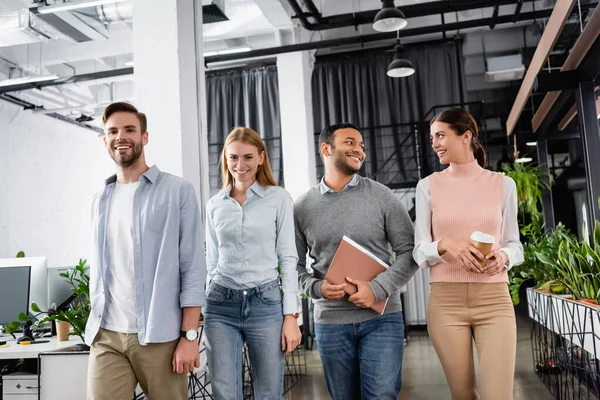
482 237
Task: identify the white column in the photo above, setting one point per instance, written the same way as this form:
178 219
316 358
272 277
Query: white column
294 71
169 87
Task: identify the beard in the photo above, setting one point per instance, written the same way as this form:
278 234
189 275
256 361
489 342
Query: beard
339 159
126 160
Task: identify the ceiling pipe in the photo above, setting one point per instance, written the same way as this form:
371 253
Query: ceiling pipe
424 30
68 79
476 23
366 17
115 12
30 106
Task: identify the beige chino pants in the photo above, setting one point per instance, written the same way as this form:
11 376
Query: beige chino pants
459 313
118 362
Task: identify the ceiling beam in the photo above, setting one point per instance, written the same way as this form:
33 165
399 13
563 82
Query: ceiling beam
554 27
586 39
366 17
275 13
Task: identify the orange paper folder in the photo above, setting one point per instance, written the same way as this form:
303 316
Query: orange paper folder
354 261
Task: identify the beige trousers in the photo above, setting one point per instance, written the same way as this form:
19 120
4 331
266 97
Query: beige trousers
118 362
462 312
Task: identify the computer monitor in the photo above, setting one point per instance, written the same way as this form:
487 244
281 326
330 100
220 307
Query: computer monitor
14 293
38 288
59 289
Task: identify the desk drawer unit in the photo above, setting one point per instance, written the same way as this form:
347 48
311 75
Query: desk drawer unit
20 386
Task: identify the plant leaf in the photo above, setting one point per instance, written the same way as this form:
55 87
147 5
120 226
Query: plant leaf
35 307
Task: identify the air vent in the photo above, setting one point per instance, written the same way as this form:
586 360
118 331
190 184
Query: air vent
505 68
212 13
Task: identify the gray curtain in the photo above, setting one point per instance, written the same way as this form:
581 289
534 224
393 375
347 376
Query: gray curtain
245 97
388 110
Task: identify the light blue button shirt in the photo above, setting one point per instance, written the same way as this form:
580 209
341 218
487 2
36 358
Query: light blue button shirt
245 243
169 266
323 188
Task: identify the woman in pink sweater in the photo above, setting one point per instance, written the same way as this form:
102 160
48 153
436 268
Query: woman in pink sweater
469 293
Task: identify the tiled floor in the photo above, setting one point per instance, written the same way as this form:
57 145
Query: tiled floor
423 378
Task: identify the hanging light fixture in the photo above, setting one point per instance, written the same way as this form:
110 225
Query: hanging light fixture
400 67
389 19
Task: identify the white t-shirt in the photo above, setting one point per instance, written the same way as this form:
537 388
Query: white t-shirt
120 315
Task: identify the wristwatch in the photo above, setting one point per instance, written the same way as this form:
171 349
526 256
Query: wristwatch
190 334
295 315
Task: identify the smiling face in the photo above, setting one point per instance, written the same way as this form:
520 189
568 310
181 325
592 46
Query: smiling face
243 161
123 139
347 153
448 145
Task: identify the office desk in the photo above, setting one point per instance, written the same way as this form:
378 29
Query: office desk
23 386
17 351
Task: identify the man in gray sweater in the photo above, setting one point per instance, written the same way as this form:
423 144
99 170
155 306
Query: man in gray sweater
361 350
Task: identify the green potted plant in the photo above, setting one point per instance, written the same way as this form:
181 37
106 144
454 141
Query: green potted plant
76 314
544 274
577 266
529 184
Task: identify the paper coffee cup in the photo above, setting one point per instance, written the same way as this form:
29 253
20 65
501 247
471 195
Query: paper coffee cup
62 331
483 242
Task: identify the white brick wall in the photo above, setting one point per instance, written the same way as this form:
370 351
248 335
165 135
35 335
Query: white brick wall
49 172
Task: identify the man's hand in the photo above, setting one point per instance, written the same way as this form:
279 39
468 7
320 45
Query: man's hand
332 292
290 334
364 297
186 356
496 262
464 251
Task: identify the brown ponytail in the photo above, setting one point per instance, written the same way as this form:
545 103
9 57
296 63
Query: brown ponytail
461 121
479 154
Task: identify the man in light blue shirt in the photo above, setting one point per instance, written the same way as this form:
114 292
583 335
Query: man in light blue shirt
147 279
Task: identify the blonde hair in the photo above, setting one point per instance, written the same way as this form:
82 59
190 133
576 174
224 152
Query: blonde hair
264 175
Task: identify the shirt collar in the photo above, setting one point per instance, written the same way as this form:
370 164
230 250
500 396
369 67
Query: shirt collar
151 175
323 188
256 188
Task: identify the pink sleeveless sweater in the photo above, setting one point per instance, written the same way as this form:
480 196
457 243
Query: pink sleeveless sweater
465 198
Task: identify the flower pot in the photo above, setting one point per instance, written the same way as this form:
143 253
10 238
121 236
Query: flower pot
589 302
62 331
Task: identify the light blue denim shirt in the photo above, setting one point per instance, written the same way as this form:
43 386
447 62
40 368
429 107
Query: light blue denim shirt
245 243
323 188
168 255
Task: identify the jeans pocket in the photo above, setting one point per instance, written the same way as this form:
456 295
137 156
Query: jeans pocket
214 295
271 296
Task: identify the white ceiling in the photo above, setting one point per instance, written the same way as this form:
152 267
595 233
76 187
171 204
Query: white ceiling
253 23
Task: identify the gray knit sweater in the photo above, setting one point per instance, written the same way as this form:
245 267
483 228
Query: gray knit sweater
373 216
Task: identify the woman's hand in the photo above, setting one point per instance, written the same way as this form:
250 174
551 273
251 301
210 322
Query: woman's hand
290 334
496 262
462 251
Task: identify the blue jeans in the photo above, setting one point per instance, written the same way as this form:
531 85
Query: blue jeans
254 316
364 360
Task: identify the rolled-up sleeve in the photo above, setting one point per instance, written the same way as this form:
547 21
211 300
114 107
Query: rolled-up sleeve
192 262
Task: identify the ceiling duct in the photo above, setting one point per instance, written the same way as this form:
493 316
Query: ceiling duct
24 27
115 12
505 68
213 11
